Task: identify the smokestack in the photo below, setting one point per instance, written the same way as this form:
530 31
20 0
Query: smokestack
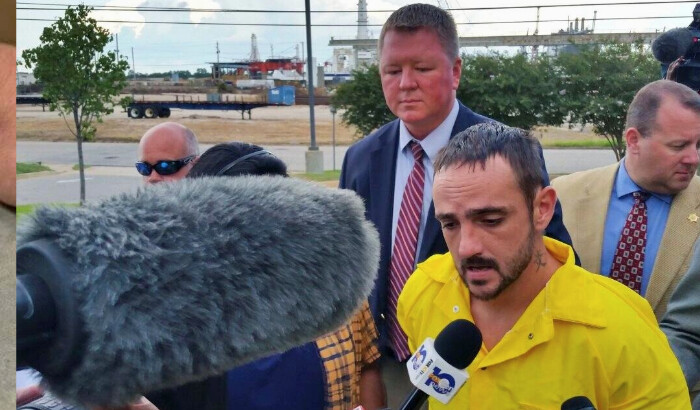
595 14
362 20
576 26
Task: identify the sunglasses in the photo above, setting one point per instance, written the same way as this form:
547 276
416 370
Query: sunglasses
163 167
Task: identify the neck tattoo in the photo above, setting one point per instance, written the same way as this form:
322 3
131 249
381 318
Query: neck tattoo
539 259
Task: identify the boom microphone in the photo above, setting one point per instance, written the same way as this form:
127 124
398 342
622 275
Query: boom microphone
437 368
672 44
185 280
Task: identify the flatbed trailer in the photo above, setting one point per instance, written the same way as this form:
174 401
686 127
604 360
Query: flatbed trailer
33 99
161 109
279 96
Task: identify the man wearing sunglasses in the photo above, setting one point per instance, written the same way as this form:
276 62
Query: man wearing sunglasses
167 152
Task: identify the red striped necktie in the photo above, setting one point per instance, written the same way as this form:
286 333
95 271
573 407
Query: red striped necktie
405 244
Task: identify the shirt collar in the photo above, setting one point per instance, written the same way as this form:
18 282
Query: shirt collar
580 306
624 185
570 295
557 300
434 141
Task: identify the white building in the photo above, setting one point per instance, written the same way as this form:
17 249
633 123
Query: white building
24 78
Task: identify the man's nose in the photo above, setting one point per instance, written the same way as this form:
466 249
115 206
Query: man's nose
408 79
154 178
692 156
469 242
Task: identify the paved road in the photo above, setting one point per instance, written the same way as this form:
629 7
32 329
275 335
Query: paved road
112 167
124 154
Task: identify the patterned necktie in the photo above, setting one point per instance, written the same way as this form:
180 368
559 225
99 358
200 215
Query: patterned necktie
628 262
405 245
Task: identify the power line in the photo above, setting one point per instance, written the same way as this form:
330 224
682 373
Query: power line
198 10
174 65
201 23
354 24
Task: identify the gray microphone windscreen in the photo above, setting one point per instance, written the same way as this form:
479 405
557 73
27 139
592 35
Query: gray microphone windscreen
185 280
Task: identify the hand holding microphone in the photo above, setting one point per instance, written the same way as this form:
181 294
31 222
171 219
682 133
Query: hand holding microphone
437 368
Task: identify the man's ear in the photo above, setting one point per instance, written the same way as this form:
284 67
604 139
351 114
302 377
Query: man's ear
456 73
543 209
632 137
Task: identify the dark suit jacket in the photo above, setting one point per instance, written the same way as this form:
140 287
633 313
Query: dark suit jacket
369 168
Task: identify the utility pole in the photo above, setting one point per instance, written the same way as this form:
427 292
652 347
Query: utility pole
217 53
116 36
133 64
314 156
535 48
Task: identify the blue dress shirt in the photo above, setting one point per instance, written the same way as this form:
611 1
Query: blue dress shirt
621 202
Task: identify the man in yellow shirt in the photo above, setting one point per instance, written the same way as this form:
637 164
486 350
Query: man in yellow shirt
551 330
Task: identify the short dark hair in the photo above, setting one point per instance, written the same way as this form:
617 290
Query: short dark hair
641 113
413 17
482 141
226 160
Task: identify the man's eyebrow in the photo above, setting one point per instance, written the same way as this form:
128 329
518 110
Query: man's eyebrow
474 212
487 210
443 216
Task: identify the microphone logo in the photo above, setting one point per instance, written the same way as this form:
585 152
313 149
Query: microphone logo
442 382
419 357
433 375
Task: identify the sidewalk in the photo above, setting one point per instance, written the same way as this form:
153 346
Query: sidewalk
67 170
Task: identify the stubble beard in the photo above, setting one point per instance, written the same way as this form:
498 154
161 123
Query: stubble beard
513 268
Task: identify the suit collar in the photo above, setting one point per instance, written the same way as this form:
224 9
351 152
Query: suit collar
382 171
591 210
677 242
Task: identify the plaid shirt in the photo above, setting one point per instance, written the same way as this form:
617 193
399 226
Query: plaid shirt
344 353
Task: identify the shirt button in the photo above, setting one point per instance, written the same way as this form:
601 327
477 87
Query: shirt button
381 315
530 336
455 308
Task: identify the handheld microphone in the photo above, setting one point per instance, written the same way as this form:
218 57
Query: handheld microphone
185 280
578 403
437 367
672 44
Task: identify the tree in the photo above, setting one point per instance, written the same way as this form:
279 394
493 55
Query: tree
201 73
598 84
363 101
79 79
514 90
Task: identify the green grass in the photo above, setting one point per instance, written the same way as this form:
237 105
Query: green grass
23 210
577 144
325 176
76 167
27 167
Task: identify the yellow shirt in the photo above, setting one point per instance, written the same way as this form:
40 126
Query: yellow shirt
582 335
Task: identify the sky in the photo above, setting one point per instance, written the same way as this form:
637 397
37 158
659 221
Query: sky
165 47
